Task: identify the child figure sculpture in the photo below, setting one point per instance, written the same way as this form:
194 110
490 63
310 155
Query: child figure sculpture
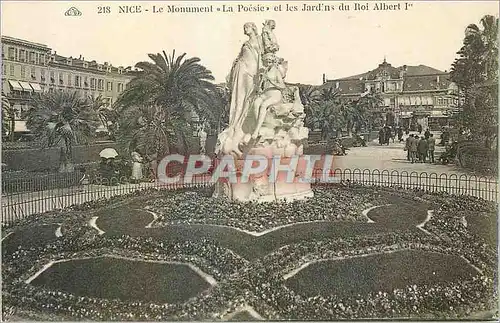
270 88
268 38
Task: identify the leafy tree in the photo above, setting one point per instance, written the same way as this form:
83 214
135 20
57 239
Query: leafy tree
164 94
62 118
475 72
8 118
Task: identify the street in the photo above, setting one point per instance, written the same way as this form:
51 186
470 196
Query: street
390 158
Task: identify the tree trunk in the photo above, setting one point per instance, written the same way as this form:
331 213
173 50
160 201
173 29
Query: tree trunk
66 163
12 129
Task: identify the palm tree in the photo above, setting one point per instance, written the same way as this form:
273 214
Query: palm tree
8 117
367 105
144 128
308 94
224 97
62 117
107 115
169 88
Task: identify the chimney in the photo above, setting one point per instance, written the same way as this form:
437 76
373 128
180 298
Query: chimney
324 78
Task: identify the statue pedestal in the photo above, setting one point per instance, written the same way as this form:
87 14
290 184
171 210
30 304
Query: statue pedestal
261 187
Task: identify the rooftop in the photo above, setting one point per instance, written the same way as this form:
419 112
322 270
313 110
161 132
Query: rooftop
393 72
8 39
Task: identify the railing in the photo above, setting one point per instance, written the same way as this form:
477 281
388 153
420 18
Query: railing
19 203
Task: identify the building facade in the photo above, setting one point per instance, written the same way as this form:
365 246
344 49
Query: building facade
29 68
411 95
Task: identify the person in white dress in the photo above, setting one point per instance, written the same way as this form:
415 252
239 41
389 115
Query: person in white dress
136 167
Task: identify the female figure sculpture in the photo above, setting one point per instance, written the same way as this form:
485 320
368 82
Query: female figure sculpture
243 81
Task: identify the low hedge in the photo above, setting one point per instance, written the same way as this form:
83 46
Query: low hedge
16 182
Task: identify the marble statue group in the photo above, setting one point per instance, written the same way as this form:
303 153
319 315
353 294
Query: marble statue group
265 114
257 86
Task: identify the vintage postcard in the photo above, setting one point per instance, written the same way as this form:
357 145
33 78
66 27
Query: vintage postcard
252 160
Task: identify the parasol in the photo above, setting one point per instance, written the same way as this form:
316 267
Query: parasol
108 153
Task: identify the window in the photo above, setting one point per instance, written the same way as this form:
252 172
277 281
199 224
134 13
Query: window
4 69
42 59
92 83
32 57
100 85
12 54
61 79
22 55
17 111
77 81
12 70
69 79
109 86
52 77
42 75
86 82
120 87
33 73
23 71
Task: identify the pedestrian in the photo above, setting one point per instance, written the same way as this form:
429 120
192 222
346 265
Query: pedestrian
407 147
419 127
431 142
381 136
400 134
413 144
427 133
422 148
136 167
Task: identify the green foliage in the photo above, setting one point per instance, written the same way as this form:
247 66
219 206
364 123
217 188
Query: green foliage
327 110
108 116
62 117
157 108
8 118
475 72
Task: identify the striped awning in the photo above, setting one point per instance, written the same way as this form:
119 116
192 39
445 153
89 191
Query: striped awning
15 85
36 87
26 86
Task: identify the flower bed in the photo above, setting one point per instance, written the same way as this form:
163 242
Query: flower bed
260 283
330 203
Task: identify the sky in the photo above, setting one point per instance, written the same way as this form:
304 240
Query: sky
337 43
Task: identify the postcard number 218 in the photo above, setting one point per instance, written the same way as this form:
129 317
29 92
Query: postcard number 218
106 9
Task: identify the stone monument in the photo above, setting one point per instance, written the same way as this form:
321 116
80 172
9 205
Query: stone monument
265 118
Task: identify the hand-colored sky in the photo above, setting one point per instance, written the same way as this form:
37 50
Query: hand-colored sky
338 43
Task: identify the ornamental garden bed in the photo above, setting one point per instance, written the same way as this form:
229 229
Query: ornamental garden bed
258 278
371 274
123 279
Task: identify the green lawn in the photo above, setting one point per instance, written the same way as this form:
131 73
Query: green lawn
382 272
126 280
